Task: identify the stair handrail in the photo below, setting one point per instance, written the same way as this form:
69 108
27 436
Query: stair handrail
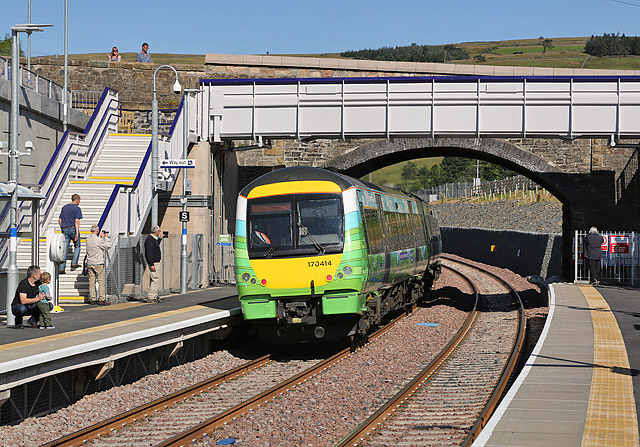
627 174
86 145
125 214
77 151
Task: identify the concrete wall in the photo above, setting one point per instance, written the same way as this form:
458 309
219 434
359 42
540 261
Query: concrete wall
41 123
523 253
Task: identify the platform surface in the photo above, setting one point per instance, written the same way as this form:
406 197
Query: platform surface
577 387
87 333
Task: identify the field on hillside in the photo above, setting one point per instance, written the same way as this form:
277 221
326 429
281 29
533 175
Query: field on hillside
392 175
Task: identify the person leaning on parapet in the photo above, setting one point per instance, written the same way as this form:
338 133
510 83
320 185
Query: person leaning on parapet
144 56
95 263
153 256
25 302
114 56
593 254
69 221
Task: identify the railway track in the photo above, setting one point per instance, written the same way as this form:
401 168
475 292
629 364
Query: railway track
169 421
183 418
450 401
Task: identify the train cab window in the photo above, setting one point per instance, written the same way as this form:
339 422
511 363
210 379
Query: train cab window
269 227
320 222
295 225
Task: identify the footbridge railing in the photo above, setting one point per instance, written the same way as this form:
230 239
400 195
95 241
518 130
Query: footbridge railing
472 106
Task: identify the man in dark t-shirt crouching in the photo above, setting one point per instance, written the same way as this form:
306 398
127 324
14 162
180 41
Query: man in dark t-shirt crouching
26 299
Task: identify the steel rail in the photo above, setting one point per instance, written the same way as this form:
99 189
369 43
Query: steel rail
367 428
509 368
189 436
90 433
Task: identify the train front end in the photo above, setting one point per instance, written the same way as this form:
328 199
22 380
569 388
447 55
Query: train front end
299 255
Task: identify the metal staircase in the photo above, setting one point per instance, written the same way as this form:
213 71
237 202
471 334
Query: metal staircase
117 163
111 173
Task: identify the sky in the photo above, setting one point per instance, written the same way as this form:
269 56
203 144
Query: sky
300 27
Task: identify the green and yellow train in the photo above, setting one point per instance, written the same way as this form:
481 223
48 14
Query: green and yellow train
320 255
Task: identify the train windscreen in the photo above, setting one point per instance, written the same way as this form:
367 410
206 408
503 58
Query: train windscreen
294 225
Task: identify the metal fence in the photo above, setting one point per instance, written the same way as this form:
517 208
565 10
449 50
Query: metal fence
127 275
466 190
620 262
627 174
85 100
33 81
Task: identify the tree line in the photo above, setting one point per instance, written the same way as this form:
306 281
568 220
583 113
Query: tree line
451 170
411 53
612 45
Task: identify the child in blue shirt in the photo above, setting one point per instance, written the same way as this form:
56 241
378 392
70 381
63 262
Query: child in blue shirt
44 305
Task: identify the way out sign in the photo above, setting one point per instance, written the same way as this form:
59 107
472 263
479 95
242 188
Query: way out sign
618 244
177 163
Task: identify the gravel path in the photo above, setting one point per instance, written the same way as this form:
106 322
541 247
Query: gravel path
540 217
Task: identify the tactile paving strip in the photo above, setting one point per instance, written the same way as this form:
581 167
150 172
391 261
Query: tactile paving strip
611 415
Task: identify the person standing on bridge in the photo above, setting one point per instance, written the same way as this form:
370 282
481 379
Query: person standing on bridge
144 56
153 257
593 254
69 221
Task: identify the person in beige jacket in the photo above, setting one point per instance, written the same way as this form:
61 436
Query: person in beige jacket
97 242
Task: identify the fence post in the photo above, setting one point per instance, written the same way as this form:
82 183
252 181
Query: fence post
575 257
633 258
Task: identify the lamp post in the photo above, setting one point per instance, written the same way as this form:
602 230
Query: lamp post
184 261
13 154
154 143
65 99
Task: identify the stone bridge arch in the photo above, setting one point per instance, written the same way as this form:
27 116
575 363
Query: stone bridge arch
587 199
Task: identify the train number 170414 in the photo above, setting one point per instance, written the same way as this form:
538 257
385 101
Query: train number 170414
318 263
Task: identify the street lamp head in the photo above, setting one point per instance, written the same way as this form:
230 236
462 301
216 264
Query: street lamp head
177 88
29 27
28 145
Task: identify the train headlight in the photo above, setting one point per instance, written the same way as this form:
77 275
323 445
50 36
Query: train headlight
339 275
253 280
347 270
246 277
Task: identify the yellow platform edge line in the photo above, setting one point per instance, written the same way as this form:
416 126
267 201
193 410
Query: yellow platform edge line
134 321
130 135
611 413
111 178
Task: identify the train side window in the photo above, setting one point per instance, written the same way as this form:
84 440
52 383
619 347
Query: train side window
373 230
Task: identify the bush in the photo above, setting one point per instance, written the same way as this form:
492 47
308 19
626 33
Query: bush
612 45
411 53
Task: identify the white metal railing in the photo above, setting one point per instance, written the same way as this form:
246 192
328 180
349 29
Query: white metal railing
85 99
620 257
76 154
33 81
129 205
493 107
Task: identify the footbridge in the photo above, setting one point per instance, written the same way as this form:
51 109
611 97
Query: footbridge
570 134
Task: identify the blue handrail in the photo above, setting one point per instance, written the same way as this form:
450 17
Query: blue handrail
143 165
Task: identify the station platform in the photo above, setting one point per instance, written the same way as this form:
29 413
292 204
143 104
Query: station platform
577 388
97 336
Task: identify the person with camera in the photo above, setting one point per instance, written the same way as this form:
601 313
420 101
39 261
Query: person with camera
97 242
153 257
